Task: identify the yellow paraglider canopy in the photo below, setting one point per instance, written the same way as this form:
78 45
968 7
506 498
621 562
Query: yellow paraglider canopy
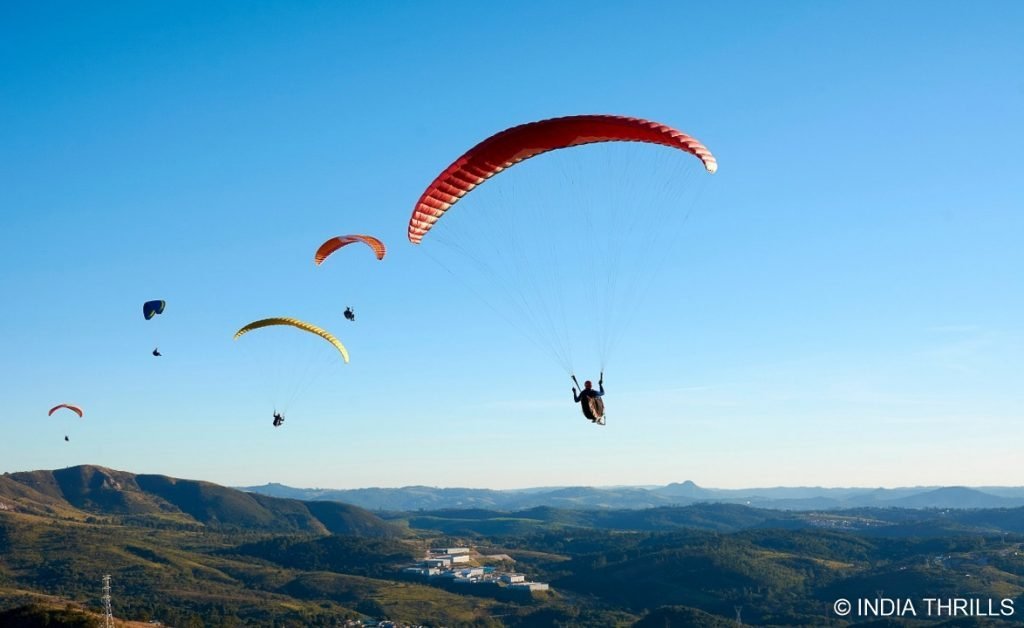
294 322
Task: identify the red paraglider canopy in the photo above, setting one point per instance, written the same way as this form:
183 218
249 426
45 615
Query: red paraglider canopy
519 143
74 409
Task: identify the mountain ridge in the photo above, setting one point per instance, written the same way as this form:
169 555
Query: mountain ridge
85 491
419 497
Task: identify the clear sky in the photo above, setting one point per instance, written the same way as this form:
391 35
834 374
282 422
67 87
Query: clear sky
846 305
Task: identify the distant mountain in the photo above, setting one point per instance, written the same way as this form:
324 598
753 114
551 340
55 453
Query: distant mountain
407 498
89 491
954 497
586 498
710 517
716 518
687 490
414 498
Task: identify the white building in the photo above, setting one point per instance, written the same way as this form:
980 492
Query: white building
531 586
512 577
450 551
439 561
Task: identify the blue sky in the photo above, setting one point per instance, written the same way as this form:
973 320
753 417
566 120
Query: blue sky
846 304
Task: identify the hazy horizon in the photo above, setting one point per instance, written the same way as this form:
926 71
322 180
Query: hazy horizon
751 487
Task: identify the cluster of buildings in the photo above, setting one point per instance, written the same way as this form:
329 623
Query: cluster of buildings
456 565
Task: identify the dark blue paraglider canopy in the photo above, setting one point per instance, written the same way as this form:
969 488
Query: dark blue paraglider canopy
152 308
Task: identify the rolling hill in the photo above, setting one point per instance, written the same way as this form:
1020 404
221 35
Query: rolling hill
91 491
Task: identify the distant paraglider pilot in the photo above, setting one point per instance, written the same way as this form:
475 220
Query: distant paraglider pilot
156 352
67 440
350 314
590 400
278 419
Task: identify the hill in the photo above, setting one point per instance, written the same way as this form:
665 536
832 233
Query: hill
726 518
953 497
89 491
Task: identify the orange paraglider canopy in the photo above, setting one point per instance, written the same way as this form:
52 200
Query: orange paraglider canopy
334 244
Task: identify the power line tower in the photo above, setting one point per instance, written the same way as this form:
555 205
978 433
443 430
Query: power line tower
739 619
108 615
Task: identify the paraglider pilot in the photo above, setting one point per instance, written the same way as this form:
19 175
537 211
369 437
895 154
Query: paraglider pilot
278 419
156 352
349 314
593 407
